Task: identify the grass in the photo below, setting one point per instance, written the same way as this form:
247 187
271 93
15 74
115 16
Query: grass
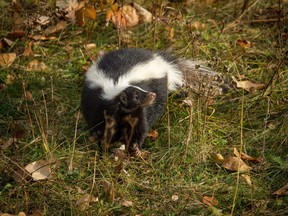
46 126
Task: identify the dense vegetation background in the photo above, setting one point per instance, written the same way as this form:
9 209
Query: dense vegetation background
48 164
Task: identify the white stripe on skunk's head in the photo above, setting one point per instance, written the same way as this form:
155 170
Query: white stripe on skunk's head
156 68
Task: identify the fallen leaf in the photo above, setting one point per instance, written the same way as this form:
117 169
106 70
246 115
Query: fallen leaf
90 13
244 43
197 25
62 24
6 59
108 190
8 42
8 143
247 157
20 175
144 15
41 37
175 198
28 49
211 201
153 134
90 46
36 65
282 191
113 5
235 164
248 85
125 17
85 200
120 155
2 86
219 158
68 7
9 79
39 170
188 102
247 179
43 20
127 203
28 95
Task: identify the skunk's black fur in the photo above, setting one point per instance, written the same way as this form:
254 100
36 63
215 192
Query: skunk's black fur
125 92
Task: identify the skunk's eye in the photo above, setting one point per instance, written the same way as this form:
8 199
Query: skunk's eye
123 98
136 95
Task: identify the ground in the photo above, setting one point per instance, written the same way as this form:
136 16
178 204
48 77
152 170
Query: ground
181 171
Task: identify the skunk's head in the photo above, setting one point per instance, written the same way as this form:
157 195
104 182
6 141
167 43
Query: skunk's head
133 98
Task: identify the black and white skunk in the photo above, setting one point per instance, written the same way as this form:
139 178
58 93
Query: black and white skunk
125 92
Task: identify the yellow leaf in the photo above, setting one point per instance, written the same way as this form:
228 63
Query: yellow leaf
90 12
210 200
247 179
248 85
6 59
235 164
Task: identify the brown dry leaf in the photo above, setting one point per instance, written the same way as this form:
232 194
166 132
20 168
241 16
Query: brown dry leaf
235 164
211 201
8 42
90 46
153 134
35 65
39 170
79 17
57 28
2 86
41 37
127 203
109 190
9 79
171 32
16 34
245 44
28 95
85 200
175 197
6 59
248 85
43 20
197 25
125 17
69 7
188 102
282 191
120 155
8 143
20 175
272 125
247 157
144 15
28 49
247 179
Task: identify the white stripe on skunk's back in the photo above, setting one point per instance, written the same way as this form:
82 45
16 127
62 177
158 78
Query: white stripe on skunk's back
155 68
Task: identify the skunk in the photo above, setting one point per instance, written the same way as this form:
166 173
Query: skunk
124 93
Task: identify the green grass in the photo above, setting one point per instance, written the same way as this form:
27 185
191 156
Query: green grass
190 172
